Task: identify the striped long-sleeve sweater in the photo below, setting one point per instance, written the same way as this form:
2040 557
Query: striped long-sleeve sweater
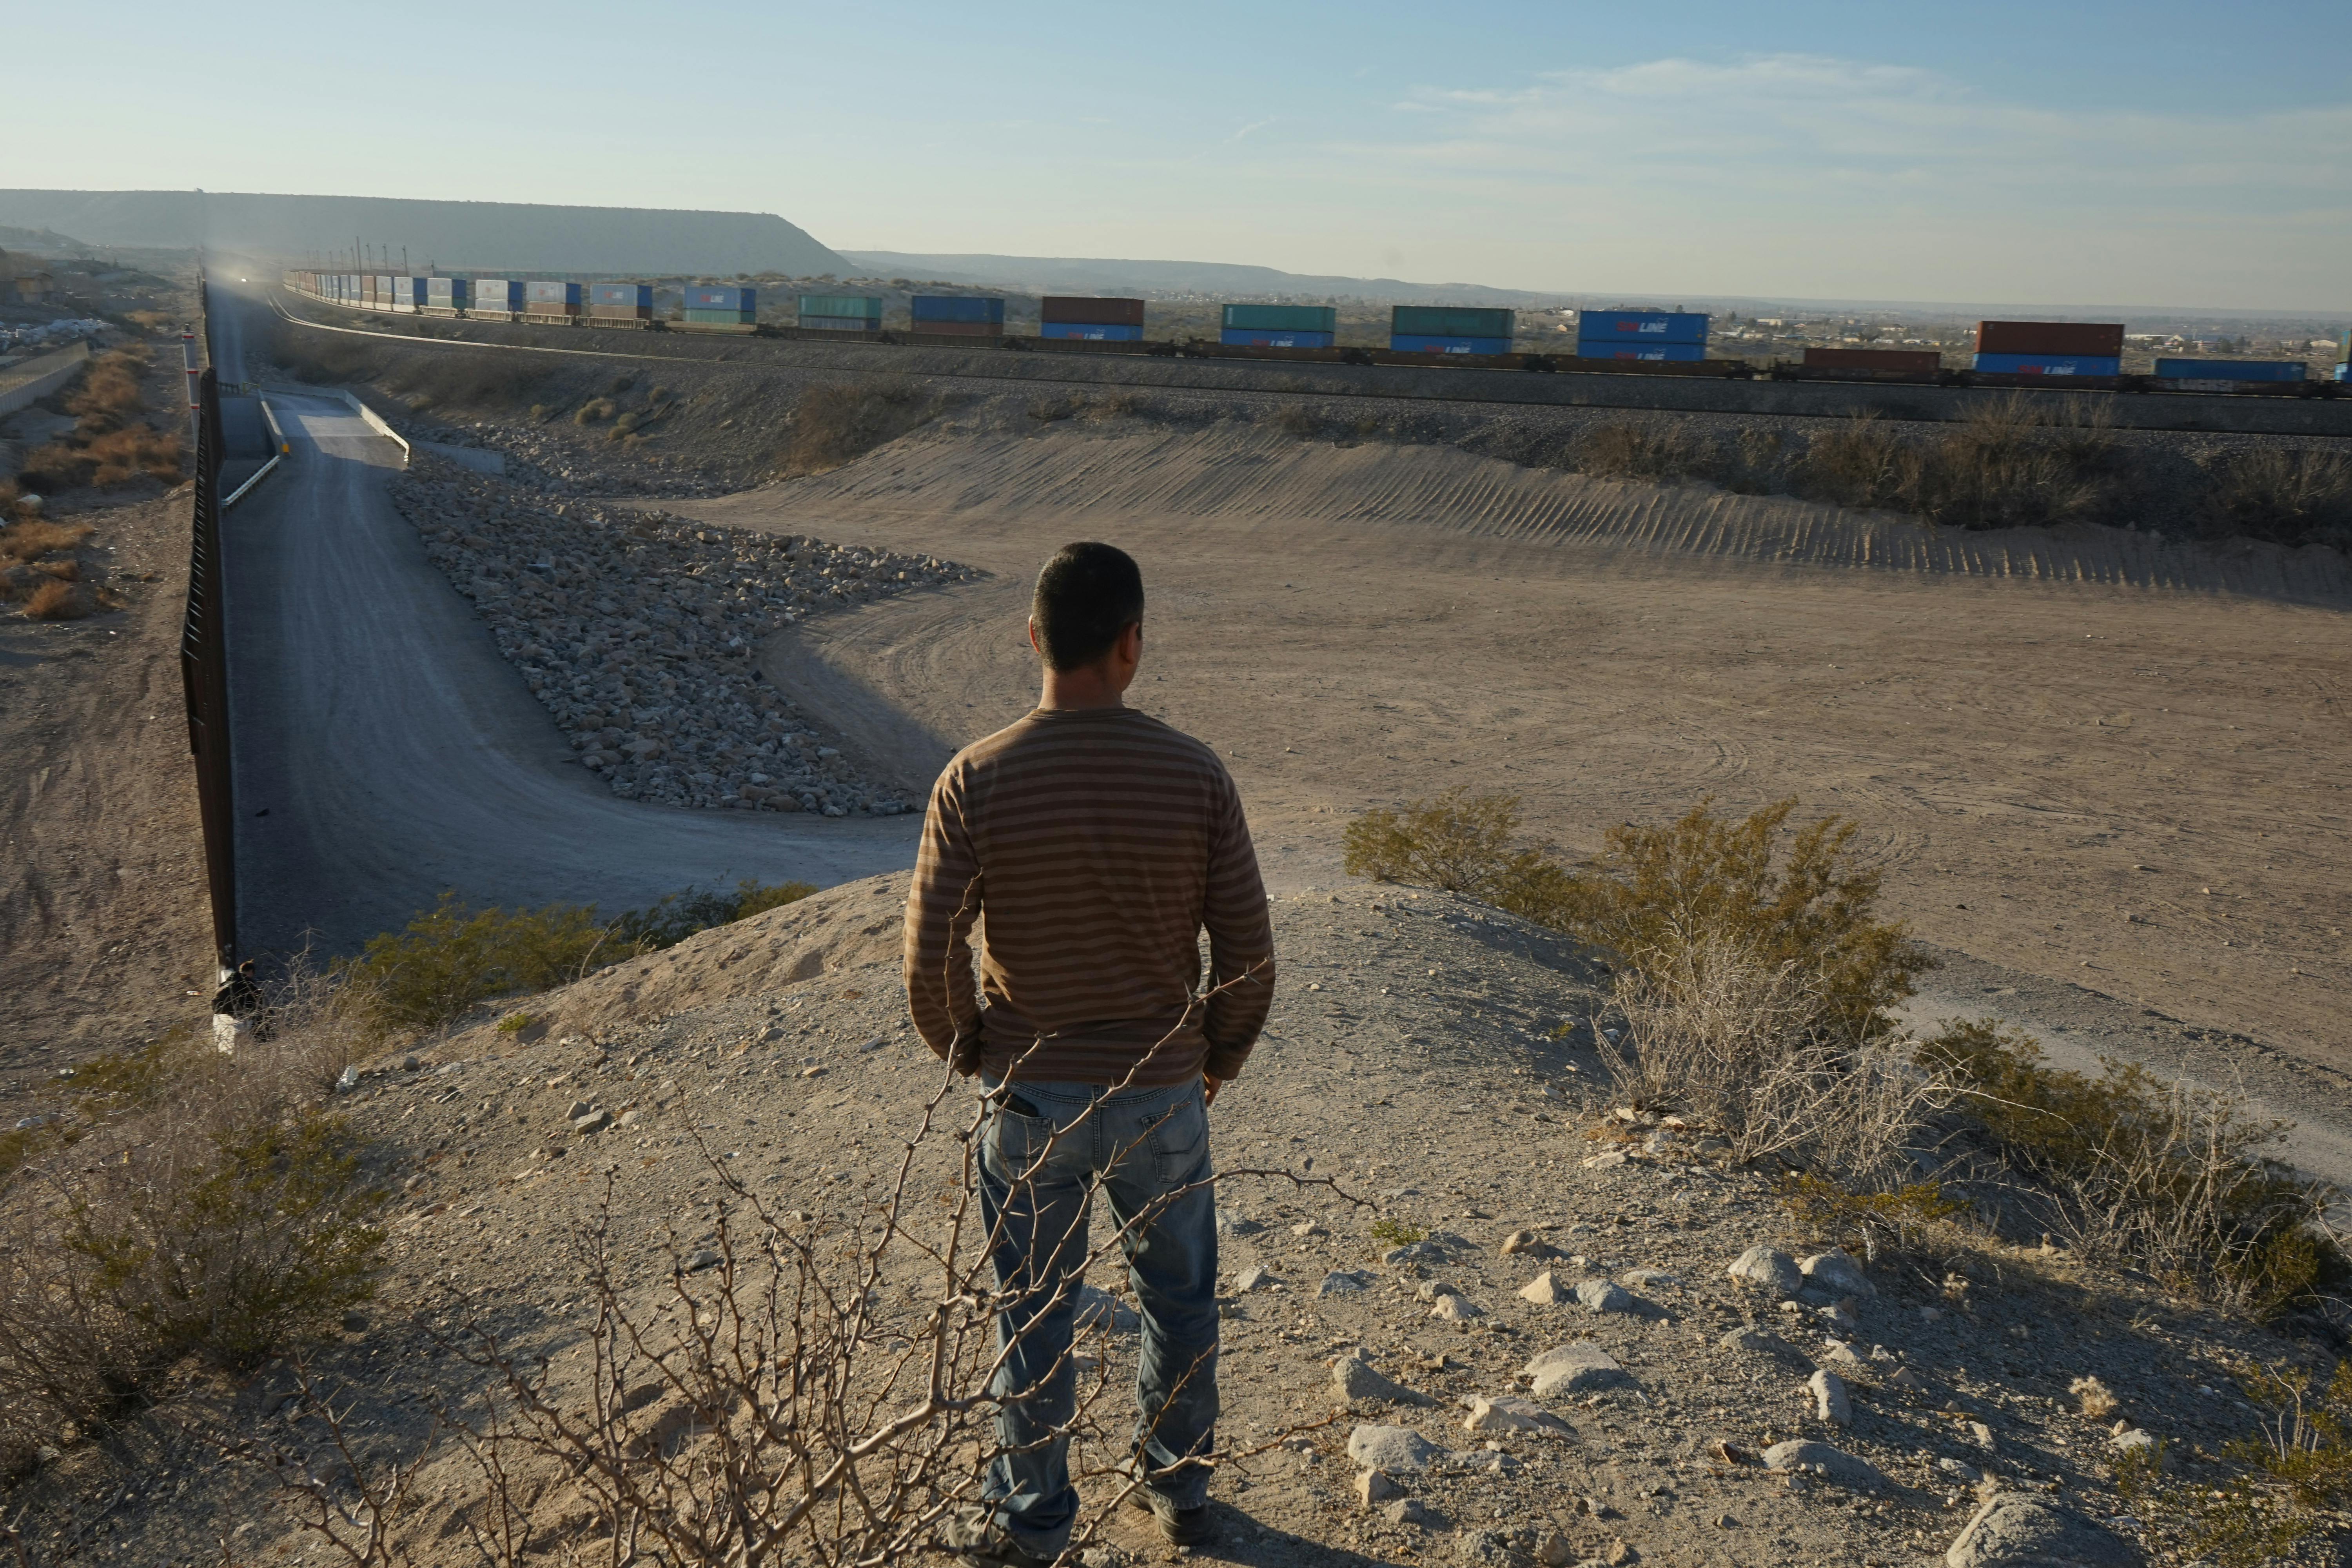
1094 844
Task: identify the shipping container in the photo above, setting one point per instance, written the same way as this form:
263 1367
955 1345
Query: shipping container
1641 326
1613 348
1089 311
968 310
961 329
720 296
839 306
2344 351
2233 370
609 297
1274 338
561 295
842 323
2049 364
720 318
1092 332
1282 318
2097 339
498 294
1444 344
1450 321
1875 359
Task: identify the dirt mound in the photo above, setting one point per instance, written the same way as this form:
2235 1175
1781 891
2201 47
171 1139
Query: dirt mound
842 928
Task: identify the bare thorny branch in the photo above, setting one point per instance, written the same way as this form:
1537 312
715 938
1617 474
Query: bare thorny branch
826 1393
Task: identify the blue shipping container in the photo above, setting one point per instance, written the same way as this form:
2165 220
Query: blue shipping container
1243 337
2050 364
720 296
1640 326
627 296
2231 370
447 292
1418 342
498 294
1616 348
539 293
957 307
1093 334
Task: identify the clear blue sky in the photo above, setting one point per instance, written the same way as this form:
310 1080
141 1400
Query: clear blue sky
2153 152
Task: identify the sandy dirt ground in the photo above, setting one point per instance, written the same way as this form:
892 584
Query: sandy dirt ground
2126 781
104 929
1415 1054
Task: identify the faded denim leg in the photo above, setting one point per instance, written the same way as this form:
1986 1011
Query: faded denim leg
1035 1192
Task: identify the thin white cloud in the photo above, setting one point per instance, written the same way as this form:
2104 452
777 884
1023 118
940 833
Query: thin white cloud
1253 125
1804 125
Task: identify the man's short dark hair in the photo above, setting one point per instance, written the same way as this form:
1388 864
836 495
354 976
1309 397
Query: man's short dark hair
1087 595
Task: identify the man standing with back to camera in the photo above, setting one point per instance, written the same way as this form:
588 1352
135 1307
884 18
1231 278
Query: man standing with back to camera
1097 842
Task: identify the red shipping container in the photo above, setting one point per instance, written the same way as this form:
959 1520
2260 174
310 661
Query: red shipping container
2103 340
1090 312
1875 359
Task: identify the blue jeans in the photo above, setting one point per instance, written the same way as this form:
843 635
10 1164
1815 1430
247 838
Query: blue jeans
1138 1146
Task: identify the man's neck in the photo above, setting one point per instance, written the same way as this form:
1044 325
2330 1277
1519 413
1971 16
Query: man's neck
1065 689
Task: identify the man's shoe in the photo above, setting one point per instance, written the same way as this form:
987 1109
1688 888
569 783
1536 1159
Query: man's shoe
1178 1526
977 1539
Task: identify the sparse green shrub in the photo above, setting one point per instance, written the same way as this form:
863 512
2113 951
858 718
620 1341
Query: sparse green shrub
2163 1175
451 958
1870 1222
1391 1232
516 1022
232 1250
2293 1481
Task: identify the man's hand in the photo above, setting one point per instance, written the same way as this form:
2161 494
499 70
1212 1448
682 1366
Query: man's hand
1208 1086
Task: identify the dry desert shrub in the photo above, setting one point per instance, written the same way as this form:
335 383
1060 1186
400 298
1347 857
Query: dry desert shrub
2159 1174
1617 450
180 1205
2285 495
109 392
595 410
834 424
33 538
1757 1048
2292 1480
1859 463
58 600
1299 421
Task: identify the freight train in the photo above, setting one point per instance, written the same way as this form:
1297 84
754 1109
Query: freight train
2078 354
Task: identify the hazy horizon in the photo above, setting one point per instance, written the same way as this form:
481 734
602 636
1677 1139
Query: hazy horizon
2129 156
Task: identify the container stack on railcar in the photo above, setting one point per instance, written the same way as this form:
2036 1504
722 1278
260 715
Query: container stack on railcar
2049 348
1450 330
1279 326
1665 336
714 306
840 313
446 296
620 304
2343 357
501 299
556 304
1090 318
963 317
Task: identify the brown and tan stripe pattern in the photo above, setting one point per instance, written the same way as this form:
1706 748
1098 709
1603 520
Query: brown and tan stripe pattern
1098 843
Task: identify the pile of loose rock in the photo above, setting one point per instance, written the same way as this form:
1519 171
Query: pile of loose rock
638 631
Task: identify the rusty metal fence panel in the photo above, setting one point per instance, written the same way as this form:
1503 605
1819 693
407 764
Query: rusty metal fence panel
204 673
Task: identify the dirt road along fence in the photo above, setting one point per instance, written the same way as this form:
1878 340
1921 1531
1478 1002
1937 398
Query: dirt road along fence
203 674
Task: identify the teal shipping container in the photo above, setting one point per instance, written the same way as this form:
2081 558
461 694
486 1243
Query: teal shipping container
837 306
1450 321
1281 319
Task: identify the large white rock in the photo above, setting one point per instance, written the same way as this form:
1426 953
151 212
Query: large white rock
1771 1267
1508 1413
1574 1368
2013 1531
1837 1274
1820 1458
1398 1450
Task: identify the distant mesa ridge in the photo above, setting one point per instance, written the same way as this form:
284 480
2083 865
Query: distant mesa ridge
455 236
